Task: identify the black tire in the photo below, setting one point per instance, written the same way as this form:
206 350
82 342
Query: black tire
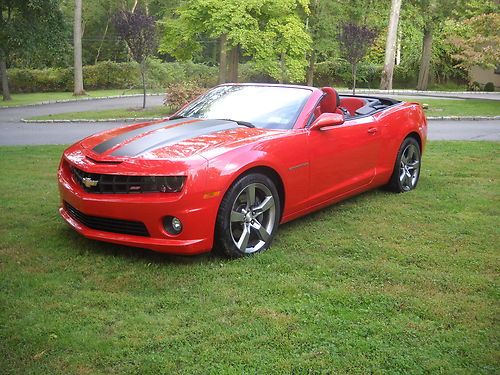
407 167
239 220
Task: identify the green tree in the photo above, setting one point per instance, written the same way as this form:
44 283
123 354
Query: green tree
476 41
271 32
100 41
321 24
324 21
27 27
472 36
434 13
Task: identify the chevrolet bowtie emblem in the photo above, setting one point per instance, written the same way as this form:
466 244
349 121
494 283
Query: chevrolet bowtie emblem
88 182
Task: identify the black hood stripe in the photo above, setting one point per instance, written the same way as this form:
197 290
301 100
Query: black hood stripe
112 142
170 136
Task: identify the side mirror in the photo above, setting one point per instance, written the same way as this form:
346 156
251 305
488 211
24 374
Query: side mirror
327 119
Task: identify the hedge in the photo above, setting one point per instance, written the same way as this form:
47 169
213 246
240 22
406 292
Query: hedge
111 75
338 73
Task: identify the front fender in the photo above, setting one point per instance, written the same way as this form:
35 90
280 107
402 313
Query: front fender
282 155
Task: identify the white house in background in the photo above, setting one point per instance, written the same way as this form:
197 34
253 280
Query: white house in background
483 76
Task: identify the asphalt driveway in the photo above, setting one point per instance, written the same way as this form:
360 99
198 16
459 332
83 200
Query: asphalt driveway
14 114
15 132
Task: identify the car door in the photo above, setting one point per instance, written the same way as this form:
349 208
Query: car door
342 158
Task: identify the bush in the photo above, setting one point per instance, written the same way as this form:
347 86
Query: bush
36 80
404 77
490 87
160 75
125 75
203 75
332 73
104 75
338 74
112 75
248 73
179 94
474 86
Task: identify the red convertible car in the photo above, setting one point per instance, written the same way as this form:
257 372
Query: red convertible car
229 167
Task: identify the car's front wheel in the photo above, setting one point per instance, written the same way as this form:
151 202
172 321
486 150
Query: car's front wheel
248 216
407 168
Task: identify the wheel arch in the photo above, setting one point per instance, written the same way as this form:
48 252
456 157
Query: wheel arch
417 137
270 173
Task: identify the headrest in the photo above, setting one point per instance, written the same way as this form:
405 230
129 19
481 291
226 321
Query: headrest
330 101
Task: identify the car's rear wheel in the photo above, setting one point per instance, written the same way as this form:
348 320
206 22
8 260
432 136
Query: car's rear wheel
248 216
407 168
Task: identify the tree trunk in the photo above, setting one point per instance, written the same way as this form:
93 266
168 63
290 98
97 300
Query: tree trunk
282 67
214 53
425 63
5 79
134 6
390 46
398 49
102 41
354 79
234 59
310 69
77 45
143 76
222 58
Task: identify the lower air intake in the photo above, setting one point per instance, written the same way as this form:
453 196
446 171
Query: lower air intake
105 224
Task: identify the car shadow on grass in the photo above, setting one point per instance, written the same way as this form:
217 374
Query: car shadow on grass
336 208
83 245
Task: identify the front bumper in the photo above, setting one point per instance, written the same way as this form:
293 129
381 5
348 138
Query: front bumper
197 215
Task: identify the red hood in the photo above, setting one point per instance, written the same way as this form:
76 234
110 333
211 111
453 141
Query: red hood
171 140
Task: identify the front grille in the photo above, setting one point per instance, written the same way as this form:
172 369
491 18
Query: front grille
105 224
122 184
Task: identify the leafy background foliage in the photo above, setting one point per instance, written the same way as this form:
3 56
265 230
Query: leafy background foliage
278 40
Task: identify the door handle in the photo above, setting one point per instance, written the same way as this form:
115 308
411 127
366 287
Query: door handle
372 130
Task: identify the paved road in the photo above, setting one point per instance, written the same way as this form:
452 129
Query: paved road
14 132
488 130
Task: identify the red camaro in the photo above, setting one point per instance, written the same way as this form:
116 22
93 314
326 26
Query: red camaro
226 169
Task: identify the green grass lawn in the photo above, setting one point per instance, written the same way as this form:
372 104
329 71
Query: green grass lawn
468 107
33 98
159 111
382 283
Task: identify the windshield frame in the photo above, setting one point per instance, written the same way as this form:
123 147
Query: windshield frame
293 120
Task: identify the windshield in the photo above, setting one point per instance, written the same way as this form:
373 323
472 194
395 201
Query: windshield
272 107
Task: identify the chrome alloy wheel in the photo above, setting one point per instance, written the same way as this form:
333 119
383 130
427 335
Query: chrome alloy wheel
253 216
410 167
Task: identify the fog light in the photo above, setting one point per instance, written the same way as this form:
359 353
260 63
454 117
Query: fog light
176 224
172 225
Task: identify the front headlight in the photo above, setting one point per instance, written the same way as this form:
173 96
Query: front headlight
170 184
126 184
